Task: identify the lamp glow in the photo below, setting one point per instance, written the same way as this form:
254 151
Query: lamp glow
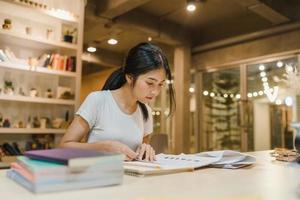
91 49
191 7
112 41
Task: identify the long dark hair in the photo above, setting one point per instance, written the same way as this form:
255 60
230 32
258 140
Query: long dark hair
141 59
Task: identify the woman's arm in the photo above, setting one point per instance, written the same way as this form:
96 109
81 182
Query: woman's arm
79 129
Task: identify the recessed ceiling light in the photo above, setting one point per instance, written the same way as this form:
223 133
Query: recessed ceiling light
191 7
91 49
112 41
149 39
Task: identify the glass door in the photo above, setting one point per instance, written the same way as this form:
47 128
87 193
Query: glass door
274 104
220 110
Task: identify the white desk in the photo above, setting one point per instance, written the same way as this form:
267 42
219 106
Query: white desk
267 179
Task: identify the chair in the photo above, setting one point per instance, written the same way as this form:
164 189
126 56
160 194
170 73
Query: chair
159 142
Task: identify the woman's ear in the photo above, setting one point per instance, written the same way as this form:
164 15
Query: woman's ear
129 79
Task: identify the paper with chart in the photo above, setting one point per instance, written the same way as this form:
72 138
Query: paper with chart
169 163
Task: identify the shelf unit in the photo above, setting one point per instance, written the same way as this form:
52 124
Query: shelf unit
36 100
31 131
26 68
26 45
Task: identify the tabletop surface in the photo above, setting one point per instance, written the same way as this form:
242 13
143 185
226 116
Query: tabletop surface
266 179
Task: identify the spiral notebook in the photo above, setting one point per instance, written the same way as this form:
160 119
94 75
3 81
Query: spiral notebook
168 163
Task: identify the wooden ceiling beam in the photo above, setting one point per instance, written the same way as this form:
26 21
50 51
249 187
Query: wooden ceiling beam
113 8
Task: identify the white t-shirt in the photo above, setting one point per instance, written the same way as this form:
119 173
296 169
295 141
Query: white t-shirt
108 122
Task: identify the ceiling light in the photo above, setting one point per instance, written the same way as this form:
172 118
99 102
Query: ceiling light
205 93
91 49
191 6
149 39
112 41
238 96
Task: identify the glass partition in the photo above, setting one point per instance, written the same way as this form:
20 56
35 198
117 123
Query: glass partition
273 103
220 109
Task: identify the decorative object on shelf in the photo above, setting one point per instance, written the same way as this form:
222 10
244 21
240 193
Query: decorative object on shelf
49 93
43 123
21 92
64 93
32 4
69 35
36 123
1 120
49 33
6 123
7 24
28 30
21 124
57 122
67 95
33 92
32 62
28 125
8 88
3 56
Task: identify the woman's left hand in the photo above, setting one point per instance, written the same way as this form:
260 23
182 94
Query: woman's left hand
146 152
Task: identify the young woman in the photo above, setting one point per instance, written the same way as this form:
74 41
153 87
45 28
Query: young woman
118 119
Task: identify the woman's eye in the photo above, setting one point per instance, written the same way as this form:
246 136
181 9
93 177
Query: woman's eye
149 83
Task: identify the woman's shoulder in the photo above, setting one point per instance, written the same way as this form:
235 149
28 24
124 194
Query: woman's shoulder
98 95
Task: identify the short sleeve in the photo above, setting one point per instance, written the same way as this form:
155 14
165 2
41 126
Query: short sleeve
148 124
88 109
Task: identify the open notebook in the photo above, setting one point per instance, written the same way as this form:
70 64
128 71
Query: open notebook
166 163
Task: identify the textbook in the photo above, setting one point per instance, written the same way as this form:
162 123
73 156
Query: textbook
66 169
62 186
168 163
74 158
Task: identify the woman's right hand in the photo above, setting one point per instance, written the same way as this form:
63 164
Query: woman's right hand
124 149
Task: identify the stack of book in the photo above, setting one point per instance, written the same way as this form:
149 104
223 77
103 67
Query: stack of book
66 169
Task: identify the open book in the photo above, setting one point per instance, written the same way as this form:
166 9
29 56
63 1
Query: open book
166 163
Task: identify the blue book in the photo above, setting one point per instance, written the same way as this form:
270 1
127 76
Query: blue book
74 158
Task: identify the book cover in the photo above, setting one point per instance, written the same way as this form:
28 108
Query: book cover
105 180
50 175
74 158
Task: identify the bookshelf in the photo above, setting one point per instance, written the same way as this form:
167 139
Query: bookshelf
28 32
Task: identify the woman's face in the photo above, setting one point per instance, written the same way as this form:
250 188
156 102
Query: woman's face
148 85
